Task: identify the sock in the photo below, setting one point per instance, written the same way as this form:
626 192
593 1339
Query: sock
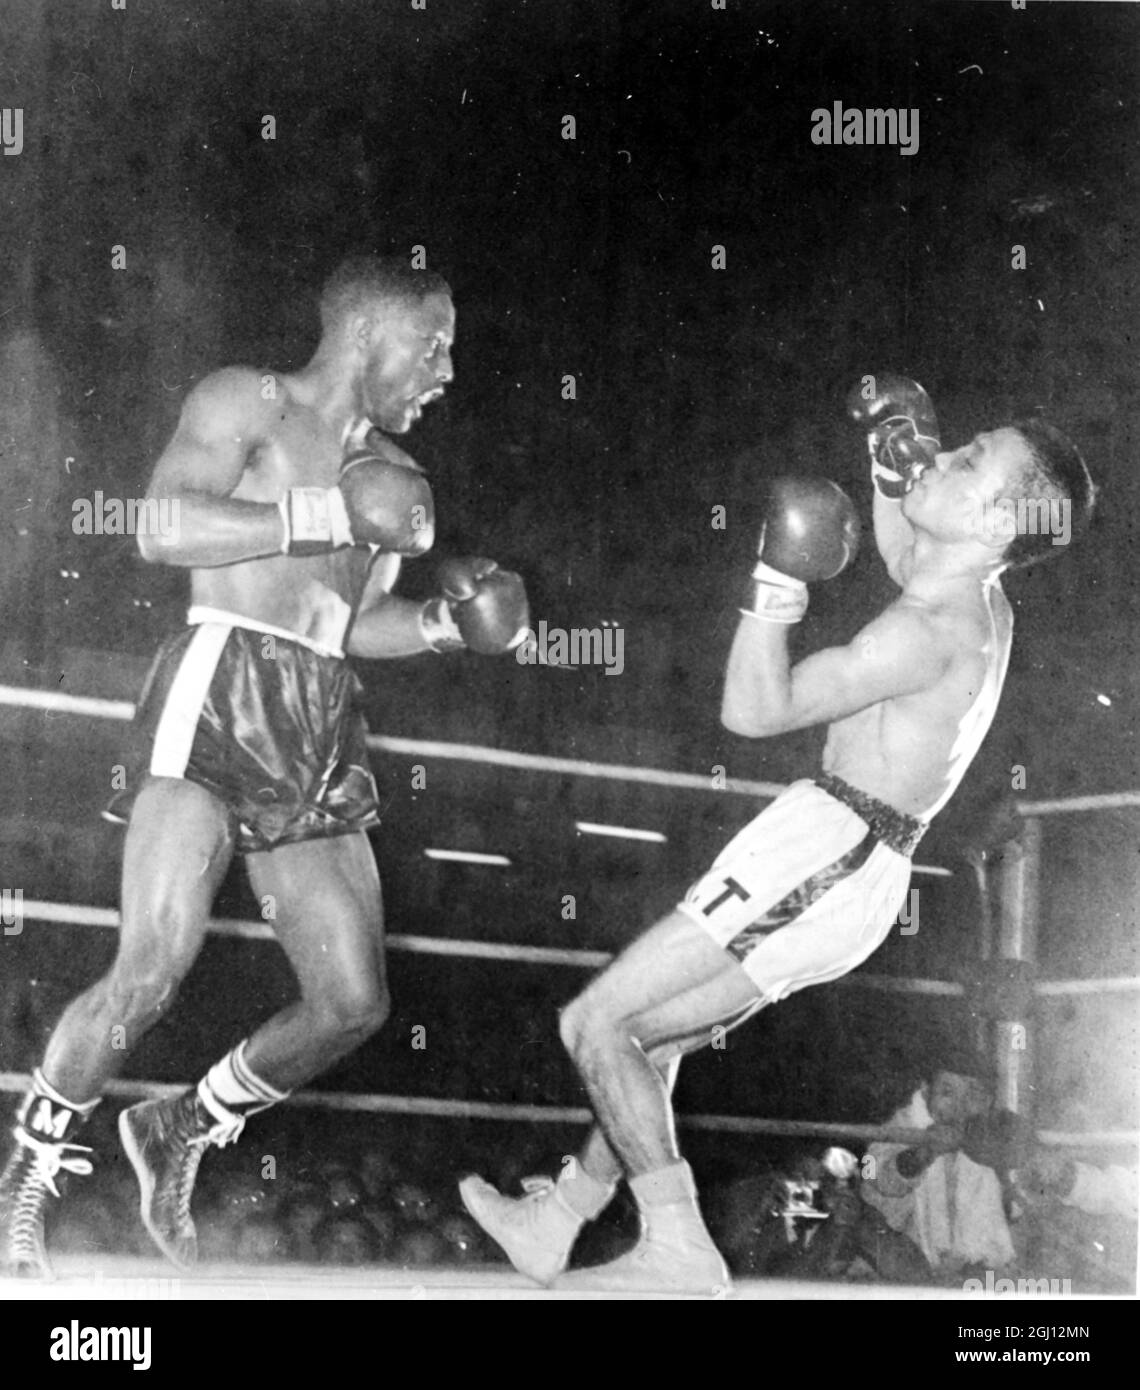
667 1201
49 1117
231 1092
665 1186
586 1197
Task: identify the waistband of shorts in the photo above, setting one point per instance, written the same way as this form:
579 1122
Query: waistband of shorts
203 613
892 828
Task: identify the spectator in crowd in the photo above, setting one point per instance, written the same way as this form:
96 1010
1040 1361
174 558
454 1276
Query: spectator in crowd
300 1214
346 1238
933 1192
260 1239
806 1220
1079 1220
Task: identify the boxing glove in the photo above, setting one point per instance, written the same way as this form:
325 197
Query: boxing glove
901 427
382 499
811 532
1000 1140
482 607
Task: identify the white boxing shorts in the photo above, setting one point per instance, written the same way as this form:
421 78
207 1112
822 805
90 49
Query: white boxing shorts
810 888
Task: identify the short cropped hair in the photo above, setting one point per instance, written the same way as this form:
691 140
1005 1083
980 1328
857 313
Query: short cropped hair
362 282
958 1058
1056 474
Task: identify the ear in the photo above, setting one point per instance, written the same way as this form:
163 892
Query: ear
997 525
359 331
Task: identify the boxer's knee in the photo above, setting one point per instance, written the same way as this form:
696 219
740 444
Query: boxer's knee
587 1021
352 1011
141 991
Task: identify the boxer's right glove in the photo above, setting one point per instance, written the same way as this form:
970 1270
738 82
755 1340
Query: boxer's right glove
482 608
810 532
901 427
382 499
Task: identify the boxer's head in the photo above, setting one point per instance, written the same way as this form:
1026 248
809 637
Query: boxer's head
1058 478
390 329
1017 494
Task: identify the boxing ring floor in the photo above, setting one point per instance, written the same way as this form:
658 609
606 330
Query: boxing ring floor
131 1279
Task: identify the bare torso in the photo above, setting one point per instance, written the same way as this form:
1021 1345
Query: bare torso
307 595
911 751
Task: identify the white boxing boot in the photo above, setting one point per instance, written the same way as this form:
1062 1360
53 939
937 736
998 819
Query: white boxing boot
675 1253
538 1230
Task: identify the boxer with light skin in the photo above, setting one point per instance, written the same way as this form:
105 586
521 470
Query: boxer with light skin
296 509
812 886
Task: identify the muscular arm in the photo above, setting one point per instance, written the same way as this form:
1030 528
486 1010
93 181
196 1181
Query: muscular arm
894 535
220 424
385 625
899 653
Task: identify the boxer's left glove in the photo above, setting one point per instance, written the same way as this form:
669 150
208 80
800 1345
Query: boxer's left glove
382 499
902 430
810 532
482 607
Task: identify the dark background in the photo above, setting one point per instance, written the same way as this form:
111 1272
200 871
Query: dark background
442 128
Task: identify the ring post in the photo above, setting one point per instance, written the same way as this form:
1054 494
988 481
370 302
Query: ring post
1017 936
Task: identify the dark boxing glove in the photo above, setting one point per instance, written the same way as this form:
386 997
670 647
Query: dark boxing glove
383 499
1000 1140
482 607
811 532
902 430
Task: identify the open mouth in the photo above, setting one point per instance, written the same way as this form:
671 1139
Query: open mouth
417 403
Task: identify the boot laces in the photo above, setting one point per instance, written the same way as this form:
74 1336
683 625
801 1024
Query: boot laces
44 1162
48 1159
193 1143
187 1173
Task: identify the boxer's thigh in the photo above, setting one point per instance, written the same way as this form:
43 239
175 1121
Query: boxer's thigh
179 845
671 982
322 897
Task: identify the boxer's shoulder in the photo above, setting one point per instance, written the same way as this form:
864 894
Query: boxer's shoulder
241 398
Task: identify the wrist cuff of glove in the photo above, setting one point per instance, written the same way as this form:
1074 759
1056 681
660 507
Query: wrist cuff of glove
772 613
438 628
315 521
777 597
765 574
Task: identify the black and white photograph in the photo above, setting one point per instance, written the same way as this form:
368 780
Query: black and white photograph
568 657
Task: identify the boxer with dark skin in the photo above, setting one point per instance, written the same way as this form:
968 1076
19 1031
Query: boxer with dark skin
813 885
293 510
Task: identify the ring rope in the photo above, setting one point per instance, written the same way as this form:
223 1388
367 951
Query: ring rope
53 701
440 1108
75 914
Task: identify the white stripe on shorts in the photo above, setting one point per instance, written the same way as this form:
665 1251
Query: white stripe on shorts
174 737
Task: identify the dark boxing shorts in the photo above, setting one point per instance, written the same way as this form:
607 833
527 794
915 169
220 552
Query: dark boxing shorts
265 722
